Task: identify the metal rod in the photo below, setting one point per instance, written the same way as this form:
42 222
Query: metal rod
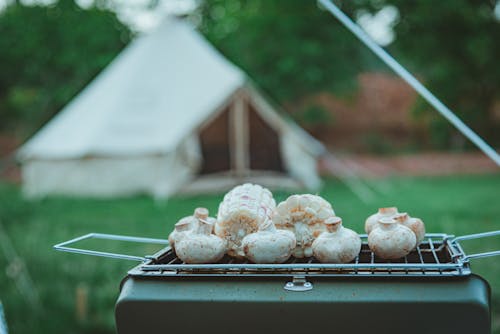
372 259
112 237
431 244
63 246
130 238
72 241
475 236
101 254
356 261
264 274
250 266
411 80
441 236
308 263
481 255
434 254
420 257
466 257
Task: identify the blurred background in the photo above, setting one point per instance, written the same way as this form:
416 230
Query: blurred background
386 145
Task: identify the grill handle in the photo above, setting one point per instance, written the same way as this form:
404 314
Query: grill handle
476 236
63 246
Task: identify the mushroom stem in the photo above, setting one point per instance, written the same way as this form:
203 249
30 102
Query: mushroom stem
268 226
392 210
333 224
182 226
401 217
387 222
201 213
205 226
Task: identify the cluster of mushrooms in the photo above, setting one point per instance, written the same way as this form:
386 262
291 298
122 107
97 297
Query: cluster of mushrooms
393 235
250 225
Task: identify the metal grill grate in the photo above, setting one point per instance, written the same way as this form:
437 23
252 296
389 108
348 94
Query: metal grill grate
439 255
435 256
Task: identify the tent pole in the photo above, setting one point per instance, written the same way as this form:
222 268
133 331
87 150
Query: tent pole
411 80
239 125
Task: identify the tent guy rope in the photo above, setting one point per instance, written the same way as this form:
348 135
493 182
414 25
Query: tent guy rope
411 80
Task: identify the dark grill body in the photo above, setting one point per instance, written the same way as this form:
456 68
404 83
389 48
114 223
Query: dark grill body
431 290
261 305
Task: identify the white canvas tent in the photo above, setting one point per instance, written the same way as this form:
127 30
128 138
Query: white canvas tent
170 114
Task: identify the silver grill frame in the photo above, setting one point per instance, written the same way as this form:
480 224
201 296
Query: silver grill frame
426 260
439 255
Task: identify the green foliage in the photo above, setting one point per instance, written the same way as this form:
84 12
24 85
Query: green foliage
290 48
454 47
314 115
447 204
49 53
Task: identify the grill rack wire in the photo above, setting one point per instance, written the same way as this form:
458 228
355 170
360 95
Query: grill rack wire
432 257
439 255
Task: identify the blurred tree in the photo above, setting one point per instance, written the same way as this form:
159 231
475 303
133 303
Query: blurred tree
293 49
290 47
48 54
455 47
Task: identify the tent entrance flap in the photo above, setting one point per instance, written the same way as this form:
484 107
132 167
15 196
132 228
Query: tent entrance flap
265 149
214 142
240 140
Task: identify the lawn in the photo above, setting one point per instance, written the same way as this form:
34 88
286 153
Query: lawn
46 301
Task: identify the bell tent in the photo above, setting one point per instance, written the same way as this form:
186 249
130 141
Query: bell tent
170 114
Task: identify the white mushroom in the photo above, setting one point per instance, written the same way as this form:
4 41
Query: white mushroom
304 215
391 240
338 244
269 245
371 221
414 224
200 246
187 224
241 212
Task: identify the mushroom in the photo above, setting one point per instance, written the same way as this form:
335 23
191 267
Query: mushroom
371 221
338 244
200 245
241 212
391 240
414 224
304 215
268 244
187 224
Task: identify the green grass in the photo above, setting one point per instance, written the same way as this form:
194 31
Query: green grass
455 205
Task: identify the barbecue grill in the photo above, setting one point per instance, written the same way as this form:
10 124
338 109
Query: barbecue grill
431 290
